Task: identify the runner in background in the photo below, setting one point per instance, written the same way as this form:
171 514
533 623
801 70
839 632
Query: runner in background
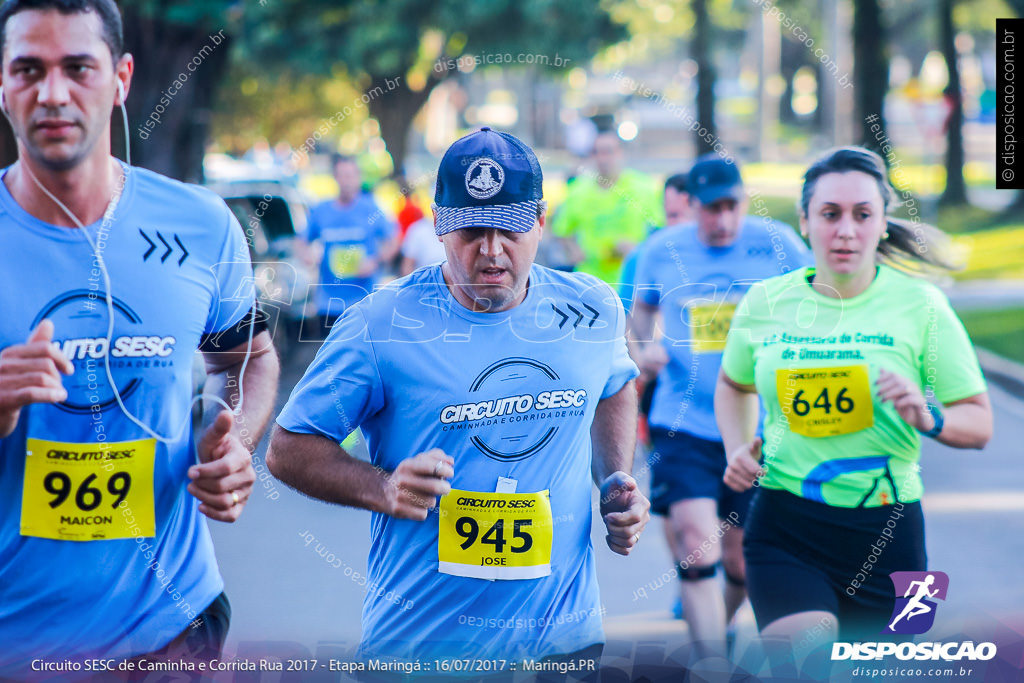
689 278
487 420
855 361
676 204
351 240
677 210
607 213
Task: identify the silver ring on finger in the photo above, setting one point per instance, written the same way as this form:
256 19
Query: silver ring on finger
235 498
437 468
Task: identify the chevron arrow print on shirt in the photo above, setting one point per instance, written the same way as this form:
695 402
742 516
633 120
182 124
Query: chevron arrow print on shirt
579 315
168 249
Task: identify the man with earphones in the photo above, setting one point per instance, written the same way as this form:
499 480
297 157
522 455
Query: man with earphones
113 277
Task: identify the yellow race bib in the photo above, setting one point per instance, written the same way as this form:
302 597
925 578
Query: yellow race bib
826 401
709 324
88 491
345 260
495 535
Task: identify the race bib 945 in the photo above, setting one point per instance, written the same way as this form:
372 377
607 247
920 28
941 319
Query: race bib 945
88 491
826 401
495 535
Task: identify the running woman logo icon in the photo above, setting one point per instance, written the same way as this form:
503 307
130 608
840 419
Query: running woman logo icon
914 611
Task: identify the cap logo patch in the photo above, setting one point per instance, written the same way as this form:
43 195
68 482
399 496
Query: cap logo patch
484 179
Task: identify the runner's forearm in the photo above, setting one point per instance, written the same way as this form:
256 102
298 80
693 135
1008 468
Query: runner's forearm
259 386
967 423
736 414
320 468
613 433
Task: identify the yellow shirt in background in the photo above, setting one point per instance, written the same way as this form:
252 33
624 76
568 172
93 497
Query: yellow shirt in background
600 219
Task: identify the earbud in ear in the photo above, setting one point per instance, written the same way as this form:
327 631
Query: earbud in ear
3 102
120 92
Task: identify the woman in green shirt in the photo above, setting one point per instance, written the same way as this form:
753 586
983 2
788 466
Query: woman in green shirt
843 354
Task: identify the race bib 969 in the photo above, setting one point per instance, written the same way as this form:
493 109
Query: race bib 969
81 491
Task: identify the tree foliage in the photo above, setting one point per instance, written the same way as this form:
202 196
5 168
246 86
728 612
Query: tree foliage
412 45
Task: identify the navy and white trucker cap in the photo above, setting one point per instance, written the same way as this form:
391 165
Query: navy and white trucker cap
488 179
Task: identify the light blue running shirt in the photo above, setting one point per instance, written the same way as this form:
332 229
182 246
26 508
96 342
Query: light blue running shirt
350 234
696 288
96 559
509 394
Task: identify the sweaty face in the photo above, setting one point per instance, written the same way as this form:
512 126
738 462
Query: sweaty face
488 269
844 223
59 84
718 223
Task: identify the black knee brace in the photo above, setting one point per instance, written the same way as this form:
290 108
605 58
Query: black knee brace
696 573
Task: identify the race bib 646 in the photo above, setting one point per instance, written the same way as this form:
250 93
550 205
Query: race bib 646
826 401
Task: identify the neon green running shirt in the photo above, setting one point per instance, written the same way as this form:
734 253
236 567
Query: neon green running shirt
601 218
815 359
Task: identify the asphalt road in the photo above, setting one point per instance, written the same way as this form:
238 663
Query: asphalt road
289 601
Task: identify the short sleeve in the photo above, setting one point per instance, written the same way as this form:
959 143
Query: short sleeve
342 386
738 356
647 289
313 226
623 369
233 277
654 213
627 279
950 364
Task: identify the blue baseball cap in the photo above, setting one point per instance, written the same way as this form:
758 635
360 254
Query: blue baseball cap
488 179
713 178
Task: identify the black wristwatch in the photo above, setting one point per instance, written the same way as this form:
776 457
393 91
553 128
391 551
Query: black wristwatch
939 422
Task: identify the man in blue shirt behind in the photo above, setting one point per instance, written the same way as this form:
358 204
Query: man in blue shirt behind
491 392
693 275
356 242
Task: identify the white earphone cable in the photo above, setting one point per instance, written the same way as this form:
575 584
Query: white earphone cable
97 253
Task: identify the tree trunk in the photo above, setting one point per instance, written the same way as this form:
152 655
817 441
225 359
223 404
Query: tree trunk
394 110
169 117
705 78
871 73
786 113
956 189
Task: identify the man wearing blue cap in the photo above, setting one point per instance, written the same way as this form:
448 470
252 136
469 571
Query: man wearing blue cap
693 275
491 391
